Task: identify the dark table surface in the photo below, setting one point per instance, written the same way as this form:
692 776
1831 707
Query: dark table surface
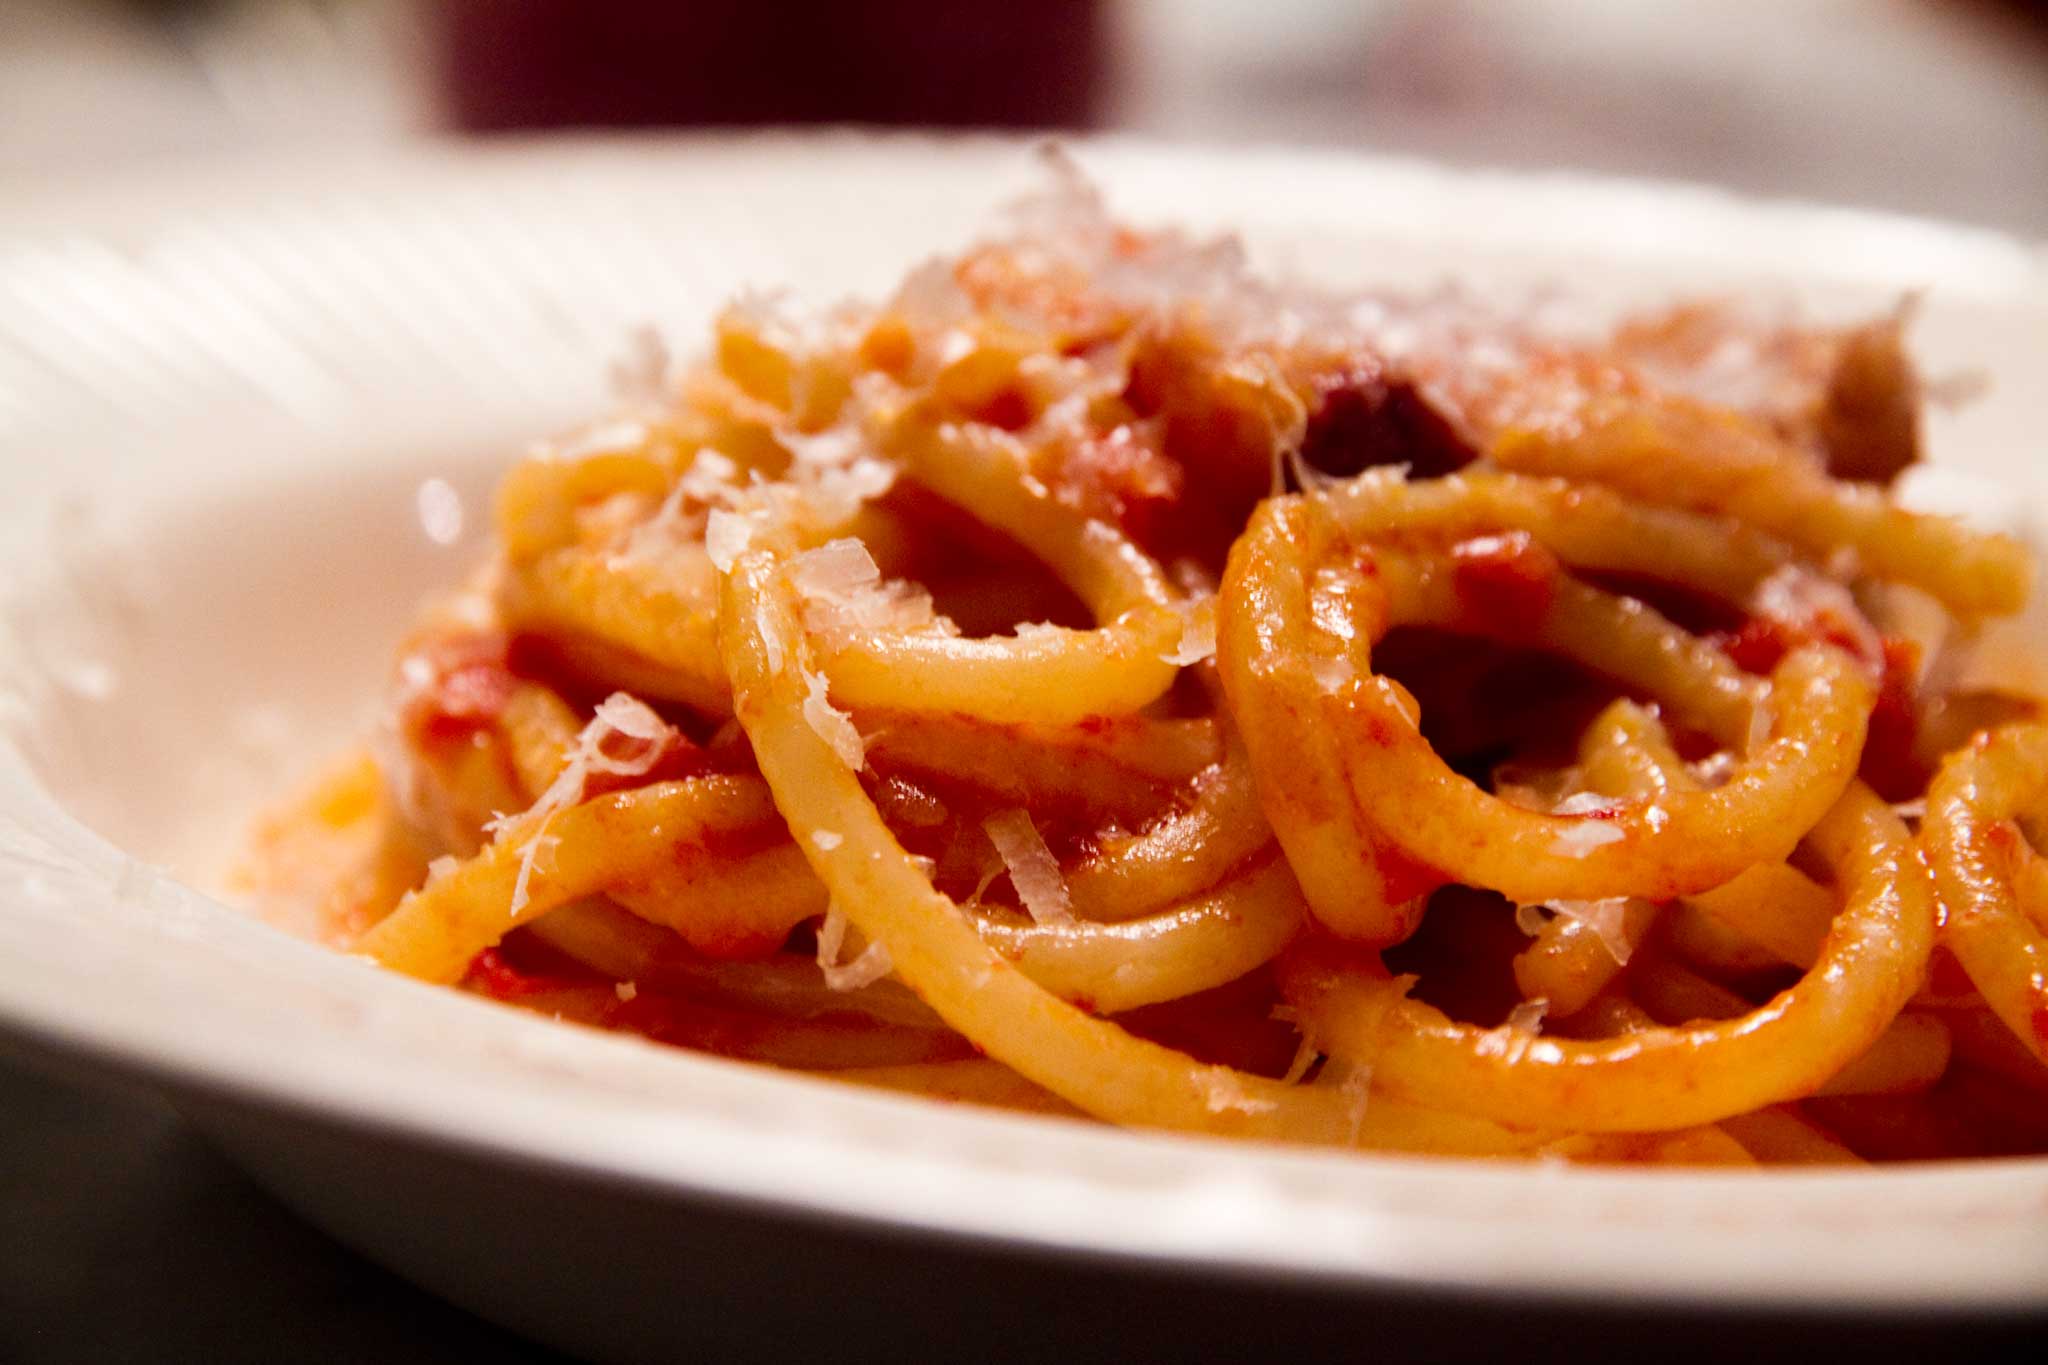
124 1237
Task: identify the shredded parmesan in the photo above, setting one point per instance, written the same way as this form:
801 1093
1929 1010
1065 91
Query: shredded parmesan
1224 1093
711 478
726 537
871 966
619 716
827 839
836 493
1582 803
1604 918
834 446
1806 602
833 725
771 639
1716 768
1353 1081
624 714
1521 1028
1197 634
836 569
1034 872
542 844
1332 672
1762 720
844 590
1585 836
1305 1054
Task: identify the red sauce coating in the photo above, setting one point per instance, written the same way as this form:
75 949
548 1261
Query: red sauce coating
1506 581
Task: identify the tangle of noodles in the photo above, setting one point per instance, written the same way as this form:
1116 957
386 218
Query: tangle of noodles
1099 683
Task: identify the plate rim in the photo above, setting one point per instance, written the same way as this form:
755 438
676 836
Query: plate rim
192 1058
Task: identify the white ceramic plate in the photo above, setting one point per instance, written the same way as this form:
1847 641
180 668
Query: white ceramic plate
220 389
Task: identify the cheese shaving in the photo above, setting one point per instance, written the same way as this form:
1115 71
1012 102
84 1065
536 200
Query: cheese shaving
844 590
726 537
625 714
1586 835
1353 1081
1806 602
1034 872
1761 722
833 725
1607 919
871 966
1582 838
1332 672
1197 634
835 494
711 479
1305 1054
542 844
827 839
1224 1093
619 716
1511 1040
1583 803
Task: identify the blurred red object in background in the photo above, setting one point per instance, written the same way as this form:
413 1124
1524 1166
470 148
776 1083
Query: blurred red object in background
508 64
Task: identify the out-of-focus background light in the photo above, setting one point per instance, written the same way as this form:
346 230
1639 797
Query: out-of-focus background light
1930 106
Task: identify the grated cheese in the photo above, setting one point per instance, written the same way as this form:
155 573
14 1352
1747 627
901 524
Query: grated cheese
1762 720
1583 803
1305 1054
844 590
625 990
1224 1093
1582 838
541 844
1512 1039
620 715
1197 634
827 839
833 725
1797 597
711 478
726 537
871 966
1332 673
1605 918
1034 872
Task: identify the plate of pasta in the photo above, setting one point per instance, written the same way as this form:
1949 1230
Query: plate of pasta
1258 714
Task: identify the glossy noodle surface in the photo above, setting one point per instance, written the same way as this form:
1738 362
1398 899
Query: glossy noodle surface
1097 681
